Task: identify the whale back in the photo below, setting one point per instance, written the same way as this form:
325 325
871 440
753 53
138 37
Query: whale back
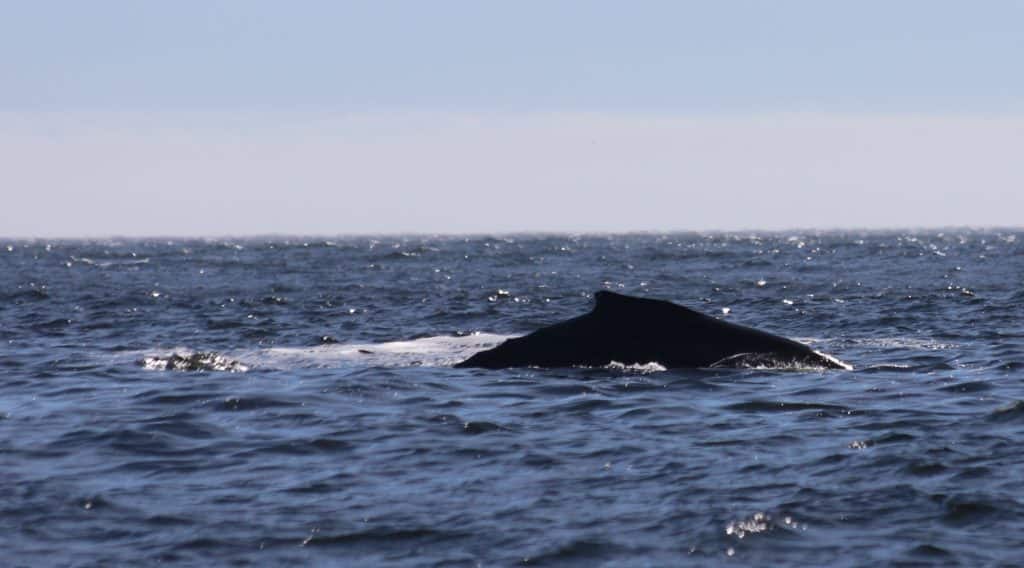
633 330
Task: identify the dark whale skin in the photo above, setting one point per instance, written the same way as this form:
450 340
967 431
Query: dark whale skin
632 331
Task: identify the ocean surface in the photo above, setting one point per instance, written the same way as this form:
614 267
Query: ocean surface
291 401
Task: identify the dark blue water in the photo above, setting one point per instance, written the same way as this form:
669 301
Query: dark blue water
338 433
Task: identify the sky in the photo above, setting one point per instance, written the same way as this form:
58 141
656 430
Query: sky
248 117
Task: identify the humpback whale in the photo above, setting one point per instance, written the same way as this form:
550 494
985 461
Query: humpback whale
631 331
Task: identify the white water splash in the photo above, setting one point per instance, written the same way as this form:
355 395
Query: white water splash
642 368
439 351
923 344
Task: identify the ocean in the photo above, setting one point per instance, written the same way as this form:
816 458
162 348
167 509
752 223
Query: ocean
291 400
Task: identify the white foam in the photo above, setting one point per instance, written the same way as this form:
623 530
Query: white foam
643 369
905 343
769 361
439 351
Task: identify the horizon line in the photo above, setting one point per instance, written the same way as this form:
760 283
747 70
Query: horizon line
525 233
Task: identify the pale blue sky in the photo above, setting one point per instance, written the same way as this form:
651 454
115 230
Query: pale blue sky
260 117
902 56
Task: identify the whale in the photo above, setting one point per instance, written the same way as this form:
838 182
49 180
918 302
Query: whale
631 330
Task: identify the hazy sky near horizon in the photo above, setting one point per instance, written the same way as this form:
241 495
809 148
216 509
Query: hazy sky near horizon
320 117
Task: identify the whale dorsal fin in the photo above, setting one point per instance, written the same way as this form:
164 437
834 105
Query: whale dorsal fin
606 301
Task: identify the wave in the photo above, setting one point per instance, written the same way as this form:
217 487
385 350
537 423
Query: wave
108 263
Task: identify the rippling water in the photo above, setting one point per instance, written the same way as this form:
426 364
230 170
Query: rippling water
289 400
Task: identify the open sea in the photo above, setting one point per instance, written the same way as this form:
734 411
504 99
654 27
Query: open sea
291 401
